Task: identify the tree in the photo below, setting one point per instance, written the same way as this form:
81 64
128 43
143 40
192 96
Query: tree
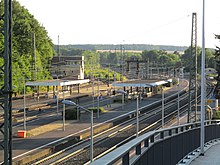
152 55
112 58
209 57
25 26
92 59
217 59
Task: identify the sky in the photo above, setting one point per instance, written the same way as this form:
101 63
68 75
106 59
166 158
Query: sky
156 22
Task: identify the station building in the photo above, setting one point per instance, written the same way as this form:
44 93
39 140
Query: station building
67 73
68 67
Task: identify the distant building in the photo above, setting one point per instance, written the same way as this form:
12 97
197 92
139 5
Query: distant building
68 67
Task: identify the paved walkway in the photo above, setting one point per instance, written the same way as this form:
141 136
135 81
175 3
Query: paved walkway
211 157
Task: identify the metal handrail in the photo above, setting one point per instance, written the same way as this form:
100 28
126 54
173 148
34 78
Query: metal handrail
144 142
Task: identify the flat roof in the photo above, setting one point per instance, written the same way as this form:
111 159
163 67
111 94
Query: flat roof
142 83
56 82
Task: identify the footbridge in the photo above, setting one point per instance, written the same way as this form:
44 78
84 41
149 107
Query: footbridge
170 146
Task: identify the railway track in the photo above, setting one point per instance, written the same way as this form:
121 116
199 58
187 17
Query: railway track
113 138
150 118
46 110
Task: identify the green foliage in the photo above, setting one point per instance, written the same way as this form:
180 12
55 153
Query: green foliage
175 81
169 59
71 114
137 47
91 59
161 57
69 52
25 26
151 55
216 115
103 74
209 58
101 109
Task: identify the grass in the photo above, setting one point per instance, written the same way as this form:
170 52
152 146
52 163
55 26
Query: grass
101 109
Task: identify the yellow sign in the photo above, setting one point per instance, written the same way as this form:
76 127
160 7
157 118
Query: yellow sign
209 101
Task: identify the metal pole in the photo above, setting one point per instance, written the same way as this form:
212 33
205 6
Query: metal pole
93 101
202 133
178 105
98 100
77 108
108 74
57 100
123 101
35 58
196 71
162 107
63 112
137 116
25 127
91 137
6 88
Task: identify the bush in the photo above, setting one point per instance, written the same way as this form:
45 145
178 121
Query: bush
216 115
71 114
101 109
175 81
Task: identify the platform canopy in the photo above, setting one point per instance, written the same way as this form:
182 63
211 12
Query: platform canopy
57 82
142 83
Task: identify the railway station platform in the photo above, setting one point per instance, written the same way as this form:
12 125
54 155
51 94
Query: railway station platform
210 157
23 148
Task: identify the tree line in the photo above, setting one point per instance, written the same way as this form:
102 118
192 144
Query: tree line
32 49
119 47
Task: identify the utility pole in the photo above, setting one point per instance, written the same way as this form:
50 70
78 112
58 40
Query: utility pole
58 47
193 69
34 59
6 88
202 113
148 67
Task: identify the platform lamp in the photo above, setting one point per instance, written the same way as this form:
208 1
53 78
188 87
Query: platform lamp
25 124
68 102
162 92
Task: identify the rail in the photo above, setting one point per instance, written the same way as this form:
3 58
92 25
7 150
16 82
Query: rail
165 146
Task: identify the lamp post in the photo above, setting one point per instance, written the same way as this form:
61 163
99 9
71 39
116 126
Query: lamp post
162 106
25 126
64 112
202 131
178 105
137 117
68 102
57 88
93 97
98 100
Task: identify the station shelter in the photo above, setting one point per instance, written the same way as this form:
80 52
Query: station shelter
144 87
60 88
65 85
